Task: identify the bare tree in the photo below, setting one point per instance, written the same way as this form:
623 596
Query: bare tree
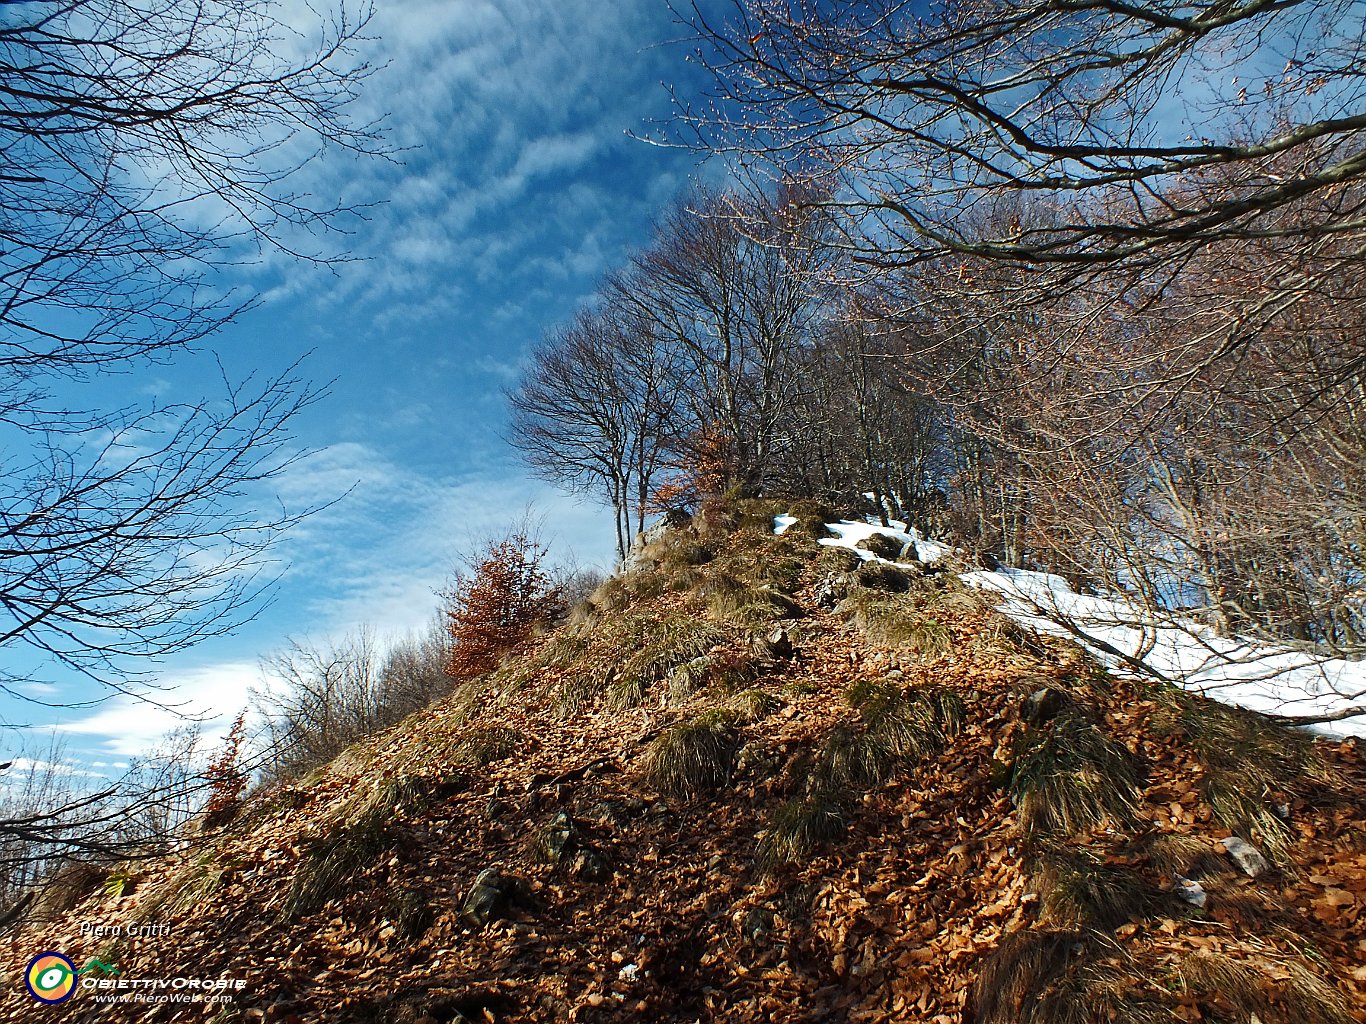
151 543
737 287
596 411
145 146
1113 114
322 696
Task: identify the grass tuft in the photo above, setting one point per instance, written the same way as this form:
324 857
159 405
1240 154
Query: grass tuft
1251 763
729 599
695 757
411 912
896 620
1178 854
331 859
1012 980
1070 778
912 722
800 827
626 656
486 743
1078 890
1293 993
753 705
890 578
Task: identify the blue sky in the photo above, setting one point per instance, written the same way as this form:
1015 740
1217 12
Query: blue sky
517 188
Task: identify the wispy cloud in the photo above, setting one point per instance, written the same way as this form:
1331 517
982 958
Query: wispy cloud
125 726
496 108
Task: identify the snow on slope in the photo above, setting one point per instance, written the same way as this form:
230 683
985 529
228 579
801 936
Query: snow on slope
848 533
1239 672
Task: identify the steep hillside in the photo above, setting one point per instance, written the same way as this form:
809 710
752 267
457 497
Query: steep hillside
756 780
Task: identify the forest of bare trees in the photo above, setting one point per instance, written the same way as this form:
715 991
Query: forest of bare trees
1079 285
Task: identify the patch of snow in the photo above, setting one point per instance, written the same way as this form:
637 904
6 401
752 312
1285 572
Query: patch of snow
849 532
1228 669
781 523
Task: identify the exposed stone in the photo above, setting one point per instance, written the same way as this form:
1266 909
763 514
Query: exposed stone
895 579
757 924
778 642
1043 705
489 897
1189 890
1247 857
555 838
635 560
590 866
833 589
881 545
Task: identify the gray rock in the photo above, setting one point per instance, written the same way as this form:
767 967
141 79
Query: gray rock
489 898
590 866
778 642
758 924
1189 890
833 589
555 838
895 579
882 545
1247 857
635 560
1043 705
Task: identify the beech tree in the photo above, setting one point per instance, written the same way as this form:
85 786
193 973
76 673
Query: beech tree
1136 231
493 607
596 410
1114 114
737 288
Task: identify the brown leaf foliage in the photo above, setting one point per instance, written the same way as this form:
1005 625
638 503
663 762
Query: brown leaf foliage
494 608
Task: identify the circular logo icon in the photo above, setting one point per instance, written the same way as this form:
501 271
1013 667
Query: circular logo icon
51 978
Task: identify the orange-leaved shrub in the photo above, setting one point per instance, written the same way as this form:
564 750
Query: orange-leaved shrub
225 775
494 608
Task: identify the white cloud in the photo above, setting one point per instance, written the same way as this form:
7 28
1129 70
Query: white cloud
126 726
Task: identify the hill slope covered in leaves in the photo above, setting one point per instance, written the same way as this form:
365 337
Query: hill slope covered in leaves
757 780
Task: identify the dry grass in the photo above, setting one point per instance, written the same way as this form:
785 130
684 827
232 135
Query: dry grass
332 858
411 912
1078 890
754 705
853 759
486 743
889 578
665 644
1251 764
1276 991
695 757
811 518
626 656
1070 778
68 886
1012 979
799 827
837 560
729 599
913 722
1179 854
882 545
904 620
